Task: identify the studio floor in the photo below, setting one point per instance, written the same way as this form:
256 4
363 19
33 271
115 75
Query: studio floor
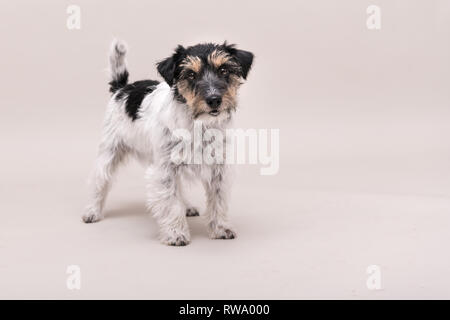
294 242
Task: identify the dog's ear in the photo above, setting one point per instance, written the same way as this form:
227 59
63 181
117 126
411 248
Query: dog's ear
242 57
167 67
245 59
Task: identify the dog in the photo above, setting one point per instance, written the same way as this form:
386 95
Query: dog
200 86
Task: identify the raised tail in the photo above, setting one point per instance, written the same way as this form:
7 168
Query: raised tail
117 66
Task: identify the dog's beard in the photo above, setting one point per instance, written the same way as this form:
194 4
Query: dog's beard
214 121
222 116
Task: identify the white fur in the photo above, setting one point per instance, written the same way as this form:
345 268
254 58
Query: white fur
147 139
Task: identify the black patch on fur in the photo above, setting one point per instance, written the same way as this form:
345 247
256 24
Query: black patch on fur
243 58
119 83
167 67
134 93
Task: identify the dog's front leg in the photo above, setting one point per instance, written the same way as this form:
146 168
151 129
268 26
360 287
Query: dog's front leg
166 206
216 183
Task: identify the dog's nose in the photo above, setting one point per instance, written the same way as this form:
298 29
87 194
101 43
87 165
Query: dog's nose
214 101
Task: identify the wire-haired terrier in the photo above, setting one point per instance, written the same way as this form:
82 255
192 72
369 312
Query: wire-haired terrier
200 86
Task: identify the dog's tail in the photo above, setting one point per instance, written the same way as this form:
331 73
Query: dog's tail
117 65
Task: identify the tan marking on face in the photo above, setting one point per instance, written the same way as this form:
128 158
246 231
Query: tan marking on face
229 99
192 63
193 100
218 58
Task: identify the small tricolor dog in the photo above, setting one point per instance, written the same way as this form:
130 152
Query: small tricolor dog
200 86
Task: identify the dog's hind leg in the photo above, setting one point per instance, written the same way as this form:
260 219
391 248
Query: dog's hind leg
109 157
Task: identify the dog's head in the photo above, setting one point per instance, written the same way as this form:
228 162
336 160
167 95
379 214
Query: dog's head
206 76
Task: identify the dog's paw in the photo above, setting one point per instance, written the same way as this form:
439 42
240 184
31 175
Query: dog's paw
175 238
91 216
192 212
223 232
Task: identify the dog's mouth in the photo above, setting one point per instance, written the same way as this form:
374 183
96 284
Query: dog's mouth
214 113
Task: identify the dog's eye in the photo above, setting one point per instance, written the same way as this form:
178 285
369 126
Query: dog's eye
191 75
223 71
